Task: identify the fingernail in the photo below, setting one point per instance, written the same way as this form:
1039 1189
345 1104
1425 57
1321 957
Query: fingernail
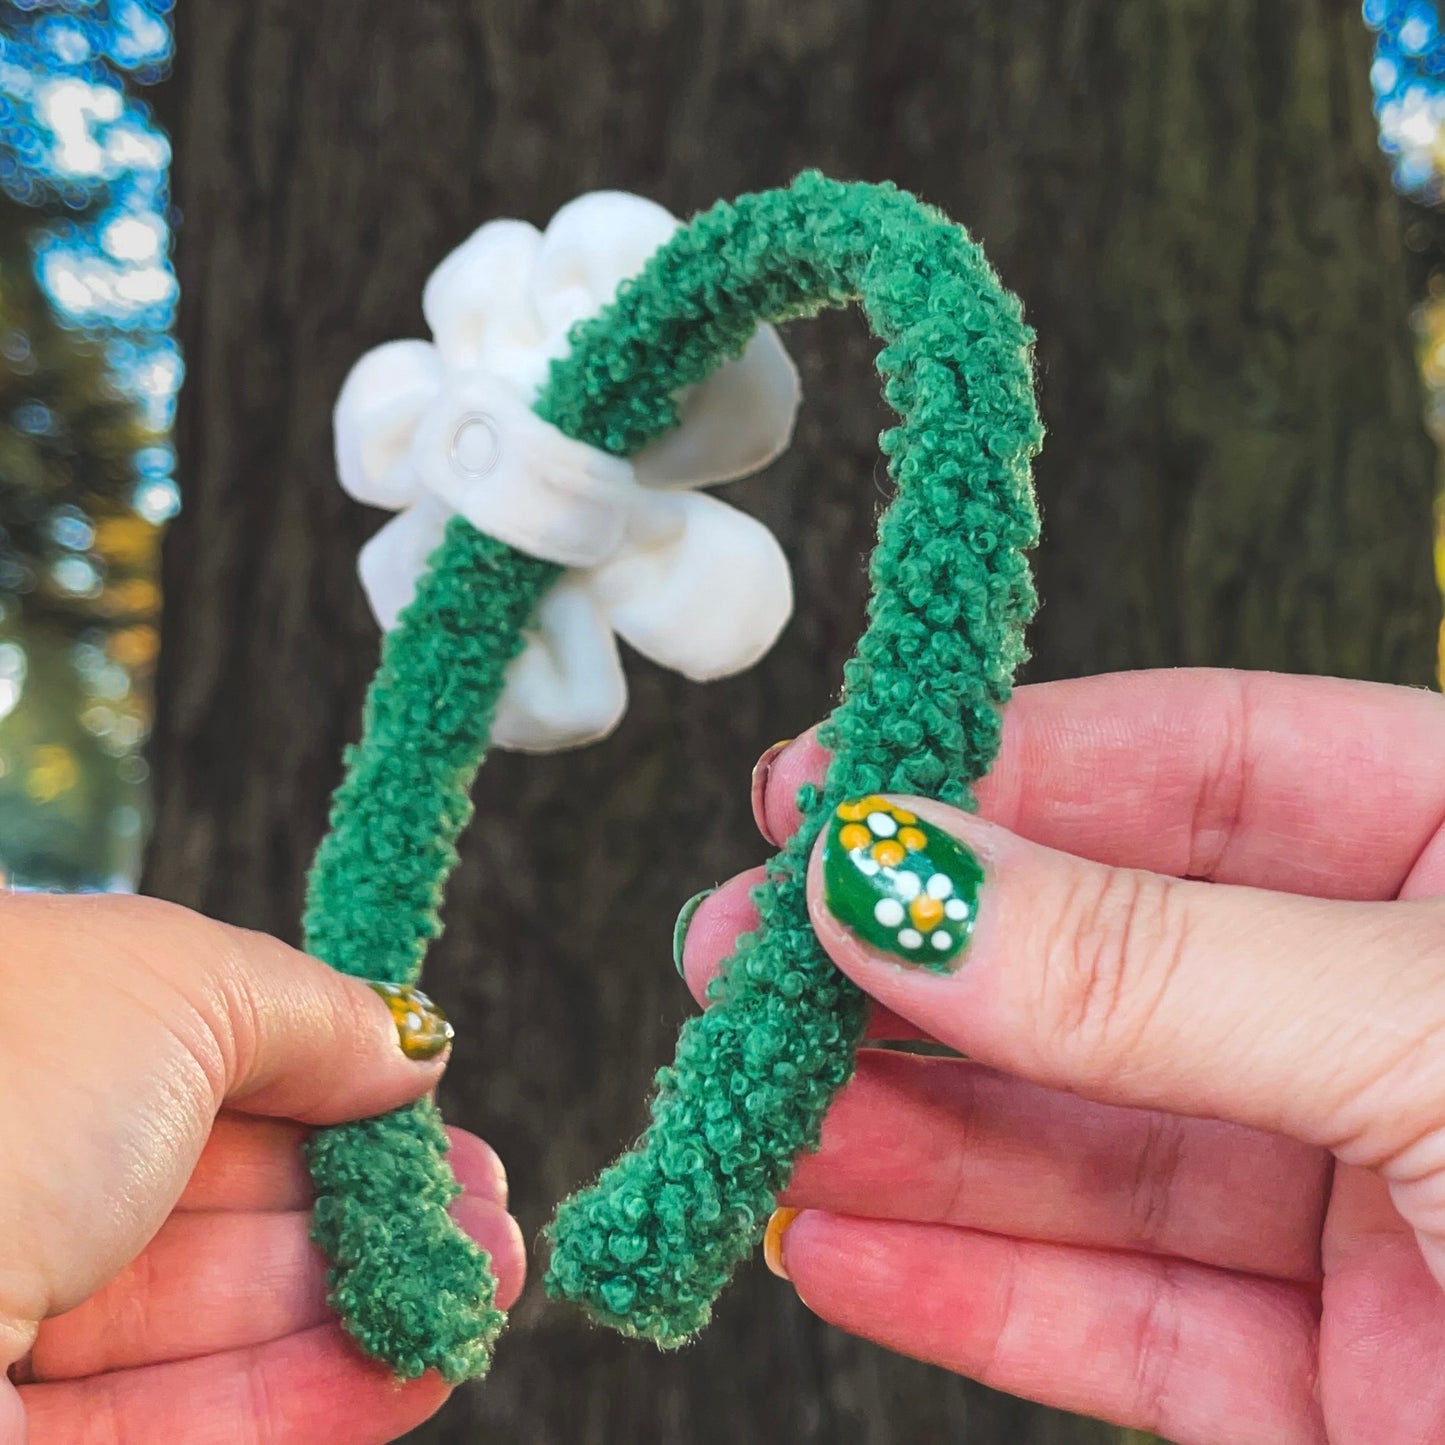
684 922
761 769
421 1027
902 885
773 1240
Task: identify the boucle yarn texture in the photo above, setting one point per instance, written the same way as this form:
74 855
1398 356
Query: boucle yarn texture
649 1246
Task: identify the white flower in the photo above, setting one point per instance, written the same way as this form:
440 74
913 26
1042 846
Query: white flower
430 429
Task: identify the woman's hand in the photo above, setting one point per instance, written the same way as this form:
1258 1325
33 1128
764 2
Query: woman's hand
156 1277
1191 1177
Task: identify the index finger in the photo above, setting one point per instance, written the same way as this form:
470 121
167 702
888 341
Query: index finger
1298 784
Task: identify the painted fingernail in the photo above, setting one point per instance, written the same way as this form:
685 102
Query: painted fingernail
421 1027
684 922
900 884
761 769
773 1240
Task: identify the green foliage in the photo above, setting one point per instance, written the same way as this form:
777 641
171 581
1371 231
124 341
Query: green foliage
78 595
71 811
68 441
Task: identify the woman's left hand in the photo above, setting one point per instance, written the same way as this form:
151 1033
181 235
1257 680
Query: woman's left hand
158 1281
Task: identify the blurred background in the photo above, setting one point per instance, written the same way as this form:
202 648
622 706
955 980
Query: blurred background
88 376
1226 223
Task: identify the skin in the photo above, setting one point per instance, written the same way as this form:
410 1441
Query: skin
156 1279
1191 1176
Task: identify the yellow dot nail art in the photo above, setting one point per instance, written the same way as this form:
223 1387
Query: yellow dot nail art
925 911
422 1029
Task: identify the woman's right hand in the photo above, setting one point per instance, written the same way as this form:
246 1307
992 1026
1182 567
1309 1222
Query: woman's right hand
1191 1175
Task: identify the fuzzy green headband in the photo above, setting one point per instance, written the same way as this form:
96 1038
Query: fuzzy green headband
649 1246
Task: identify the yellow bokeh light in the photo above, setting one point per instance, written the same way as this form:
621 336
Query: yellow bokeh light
135 647
136 596
53 770
127 541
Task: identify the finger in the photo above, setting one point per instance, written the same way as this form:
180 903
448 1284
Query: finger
205 1284
210 1283
249 1164
477 1166
1384 1316
1148 1343
257 1164
777 777
1298 1016
712 935
501 1236
300 1040
252 1022
314 1388
13 1429
944 1141
1196 773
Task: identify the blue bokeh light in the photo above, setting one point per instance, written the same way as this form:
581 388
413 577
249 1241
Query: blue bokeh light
79 146
1408 77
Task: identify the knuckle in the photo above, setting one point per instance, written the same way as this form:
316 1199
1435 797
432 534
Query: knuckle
225 1013
204 966
1112 947
1157 1342
1223 781
232 1010
1154 1186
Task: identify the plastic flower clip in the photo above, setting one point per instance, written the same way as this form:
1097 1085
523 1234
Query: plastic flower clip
445 428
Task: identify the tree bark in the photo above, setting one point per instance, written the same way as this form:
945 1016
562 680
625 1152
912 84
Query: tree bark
1190 200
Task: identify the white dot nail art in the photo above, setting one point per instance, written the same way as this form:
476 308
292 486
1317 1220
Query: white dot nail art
889 912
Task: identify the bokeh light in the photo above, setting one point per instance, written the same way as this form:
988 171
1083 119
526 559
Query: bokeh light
1408 77
89 371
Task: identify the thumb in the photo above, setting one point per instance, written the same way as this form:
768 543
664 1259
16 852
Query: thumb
1308 1017
297 1039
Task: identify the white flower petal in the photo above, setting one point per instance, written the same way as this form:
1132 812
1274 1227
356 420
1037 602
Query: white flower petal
592 245
392 562
566 687
697 586
736 422
448 430
380 404
478 302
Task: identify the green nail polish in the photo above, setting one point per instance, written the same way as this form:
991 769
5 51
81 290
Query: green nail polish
421 1027
684 921
900 884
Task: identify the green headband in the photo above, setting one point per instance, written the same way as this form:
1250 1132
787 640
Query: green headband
650 1246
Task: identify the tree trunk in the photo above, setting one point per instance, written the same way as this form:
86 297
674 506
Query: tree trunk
1189 199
